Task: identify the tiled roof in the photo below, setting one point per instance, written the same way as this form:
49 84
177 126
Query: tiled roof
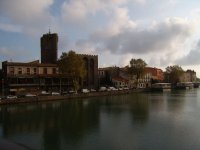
30 64
120 79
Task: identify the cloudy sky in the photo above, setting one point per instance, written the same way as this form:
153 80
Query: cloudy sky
161 32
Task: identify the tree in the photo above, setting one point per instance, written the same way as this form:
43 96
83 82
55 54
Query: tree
137 68
173 74
72 65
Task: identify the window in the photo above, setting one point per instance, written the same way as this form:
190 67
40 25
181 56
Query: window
28 70
44 70
11 70
54 70
19 70
34 70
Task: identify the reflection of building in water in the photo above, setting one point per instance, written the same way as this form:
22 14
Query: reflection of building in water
49 119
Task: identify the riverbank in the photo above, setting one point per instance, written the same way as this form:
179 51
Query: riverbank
44 98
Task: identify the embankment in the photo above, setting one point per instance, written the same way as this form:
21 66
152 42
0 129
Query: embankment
42 98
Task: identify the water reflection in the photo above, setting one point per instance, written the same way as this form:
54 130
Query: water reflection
135 121
69 120
140 108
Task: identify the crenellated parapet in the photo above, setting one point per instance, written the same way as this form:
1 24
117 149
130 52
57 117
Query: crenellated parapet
87 55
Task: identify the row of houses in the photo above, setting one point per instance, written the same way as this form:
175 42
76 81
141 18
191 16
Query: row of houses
119 77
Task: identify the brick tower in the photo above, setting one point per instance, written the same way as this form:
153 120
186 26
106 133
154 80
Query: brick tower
49 48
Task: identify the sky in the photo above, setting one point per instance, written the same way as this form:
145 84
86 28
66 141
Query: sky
161 32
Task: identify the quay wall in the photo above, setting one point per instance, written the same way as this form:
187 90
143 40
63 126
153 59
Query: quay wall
45 98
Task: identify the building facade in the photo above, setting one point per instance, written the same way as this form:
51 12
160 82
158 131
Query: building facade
188 76
33 77
155 73
120 82
152 75
91 64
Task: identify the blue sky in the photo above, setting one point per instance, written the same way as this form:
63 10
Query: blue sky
162 32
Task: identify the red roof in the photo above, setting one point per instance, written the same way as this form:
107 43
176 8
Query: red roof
120 79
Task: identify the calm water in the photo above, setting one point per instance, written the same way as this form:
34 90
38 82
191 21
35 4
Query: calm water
140 121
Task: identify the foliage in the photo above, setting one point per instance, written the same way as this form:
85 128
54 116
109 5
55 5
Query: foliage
137 68
76 85
173 74
72 65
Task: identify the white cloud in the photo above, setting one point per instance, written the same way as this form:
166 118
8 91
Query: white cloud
26 11
79 11
192 58
159 37
120 21
10 27
74 12
159 44
31 16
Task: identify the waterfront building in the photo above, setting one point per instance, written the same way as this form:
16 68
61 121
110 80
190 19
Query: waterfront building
119 82
30 76
36 77
145 81
152 75
188 76
101 73
106 75
155 73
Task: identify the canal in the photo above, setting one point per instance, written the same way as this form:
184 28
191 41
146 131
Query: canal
138 121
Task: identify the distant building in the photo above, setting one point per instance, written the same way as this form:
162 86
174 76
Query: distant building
152 75
119 82
49 48
155 73
101 73
145 81
105 75
188 76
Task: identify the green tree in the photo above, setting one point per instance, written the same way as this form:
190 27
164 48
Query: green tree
137 68
72 65
173 74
